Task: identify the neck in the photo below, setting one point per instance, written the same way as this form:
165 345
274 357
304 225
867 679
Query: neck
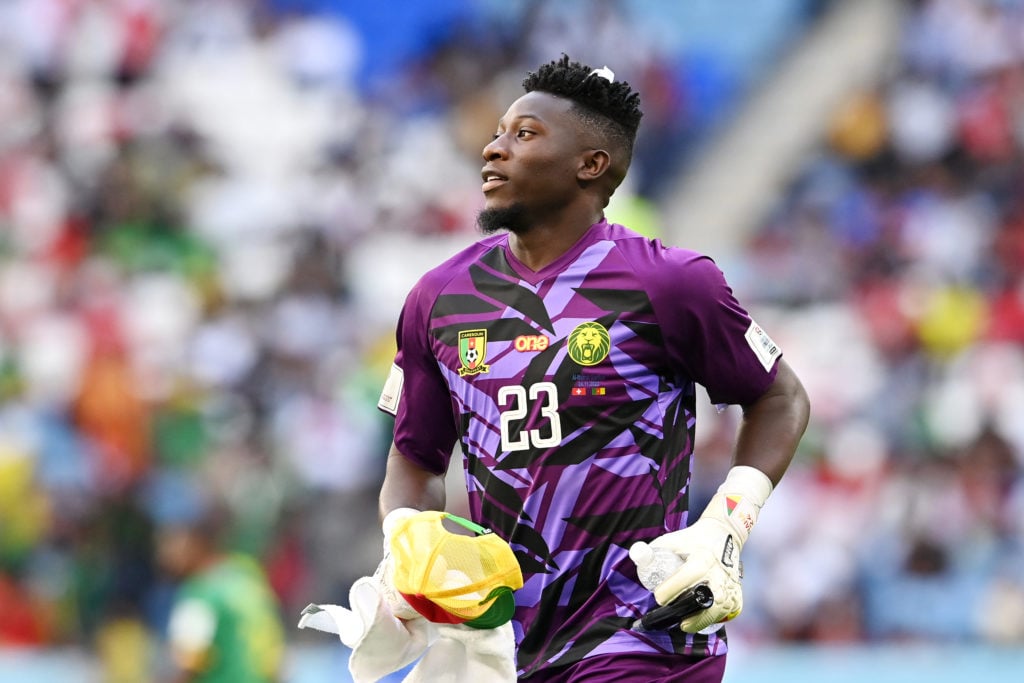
206 561
544 242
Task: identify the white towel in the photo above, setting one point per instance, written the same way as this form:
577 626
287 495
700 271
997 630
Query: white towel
382 643
462 654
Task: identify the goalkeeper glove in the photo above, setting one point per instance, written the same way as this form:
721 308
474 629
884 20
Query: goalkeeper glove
386 569
710 547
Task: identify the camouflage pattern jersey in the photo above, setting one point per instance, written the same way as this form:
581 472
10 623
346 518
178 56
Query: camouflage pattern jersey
572 393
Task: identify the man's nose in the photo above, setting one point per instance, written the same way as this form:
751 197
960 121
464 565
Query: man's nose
495 149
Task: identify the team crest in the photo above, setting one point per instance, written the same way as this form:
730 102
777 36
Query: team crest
473 352
589 343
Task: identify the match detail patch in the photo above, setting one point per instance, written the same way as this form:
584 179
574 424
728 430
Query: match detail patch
392 392
762 345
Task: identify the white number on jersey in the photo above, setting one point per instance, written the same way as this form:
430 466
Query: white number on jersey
515 397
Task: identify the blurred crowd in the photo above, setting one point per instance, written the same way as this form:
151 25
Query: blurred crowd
210 211
894 268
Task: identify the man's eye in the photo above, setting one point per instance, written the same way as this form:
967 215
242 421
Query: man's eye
523 132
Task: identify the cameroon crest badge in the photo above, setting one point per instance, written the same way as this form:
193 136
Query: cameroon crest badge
473 352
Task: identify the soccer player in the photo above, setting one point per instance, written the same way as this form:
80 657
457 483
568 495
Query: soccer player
562 352
225 624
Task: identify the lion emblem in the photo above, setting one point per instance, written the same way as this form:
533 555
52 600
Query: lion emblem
589 343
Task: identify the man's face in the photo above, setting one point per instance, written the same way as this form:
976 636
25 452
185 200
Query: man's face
530 167
176 550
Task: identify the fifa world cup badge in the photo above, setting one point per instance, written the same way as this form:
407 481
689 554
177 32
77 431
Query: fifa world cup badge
473 352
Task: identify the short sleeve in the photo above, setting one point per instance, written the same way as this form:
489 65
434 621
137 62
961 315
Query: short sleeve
416 392
710 337
190 631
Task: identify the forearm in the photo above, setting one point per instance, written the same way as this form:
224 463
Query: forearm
771 429
773 425
406 484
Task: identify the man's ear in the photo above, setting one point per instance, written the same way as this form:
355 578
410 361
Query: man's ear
593 164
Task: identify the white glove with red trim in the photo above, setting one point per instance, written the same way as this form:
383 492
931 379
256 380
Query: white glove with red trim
710 547
386 570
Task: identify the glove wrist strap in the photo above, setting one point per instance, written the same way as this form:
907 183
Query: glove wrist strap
747 481
739 500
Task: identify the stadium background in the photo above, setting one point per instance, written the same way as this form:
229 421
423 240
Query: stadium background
210 211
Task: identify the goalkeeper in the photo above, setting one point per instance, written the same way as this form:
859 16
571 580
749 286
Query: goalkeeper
562 352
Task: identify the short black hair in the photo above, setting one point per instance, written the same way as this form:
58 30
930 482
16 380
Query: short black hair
613 108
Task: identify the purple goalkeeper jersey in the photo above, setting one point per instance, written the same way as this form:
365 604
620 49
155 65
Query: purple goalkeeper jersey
571 391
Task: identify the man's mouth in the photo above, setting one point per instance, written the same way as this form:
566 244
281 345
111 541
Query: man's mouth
492 180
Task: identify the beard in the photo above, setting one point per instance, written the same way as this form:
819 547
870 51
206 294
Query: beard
512 218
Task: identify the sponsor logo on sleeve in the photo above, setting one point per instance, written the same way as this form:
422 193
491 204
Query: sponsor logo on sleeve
762 345
391 394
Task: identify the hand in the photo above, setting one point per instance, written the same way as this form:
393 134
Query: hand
711 555
385 570
710 547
